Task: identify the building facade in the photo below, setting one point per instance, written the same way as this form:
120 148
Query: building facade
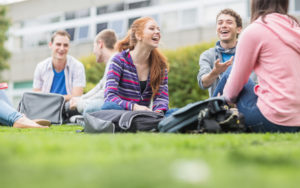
183 22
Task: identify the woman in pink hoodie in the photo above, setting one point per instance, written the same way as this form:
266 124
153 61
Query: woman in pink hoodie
270 46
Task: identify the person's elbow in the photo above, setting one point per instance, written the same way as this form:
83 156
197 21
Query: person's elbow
202 84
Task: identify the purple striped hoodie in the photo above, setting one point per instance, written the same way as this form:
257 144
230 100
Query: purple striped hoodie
123 86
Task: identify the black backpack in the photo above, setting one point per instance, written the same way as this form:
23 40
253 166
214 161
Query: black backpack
212 115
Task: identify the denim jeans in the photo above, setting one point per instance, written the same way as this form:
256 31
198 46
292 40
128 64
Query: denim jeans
114 106
111 106
4 97
93 106
246 104
221 84
8 115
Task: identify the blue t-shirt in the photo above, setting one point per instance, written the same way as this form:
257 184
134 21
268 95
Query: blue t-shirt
226 57
59 83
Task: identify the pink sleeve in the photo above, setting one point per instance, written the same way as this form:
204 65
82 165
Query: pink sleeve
247 53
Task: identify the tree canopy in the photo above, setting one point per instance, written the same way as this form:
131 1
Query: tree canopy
4 25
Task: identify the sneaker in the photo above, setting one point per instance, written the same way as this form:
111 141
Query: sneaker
80 121
42 122
74 118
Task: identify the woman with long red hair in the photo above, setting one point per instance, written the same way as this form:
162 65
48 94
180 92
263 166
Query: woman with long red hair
139 74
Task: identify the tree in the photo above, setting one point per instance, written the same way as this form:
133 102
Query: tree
4 24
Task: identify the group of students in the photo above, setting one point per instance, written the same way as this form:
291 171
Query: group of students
136 74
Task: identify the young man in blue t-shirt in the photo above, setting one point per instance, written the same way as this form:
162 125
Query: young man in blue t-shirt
60 73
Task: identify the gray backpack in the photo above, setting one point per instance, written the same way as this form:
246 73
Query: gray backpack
111 121
42 106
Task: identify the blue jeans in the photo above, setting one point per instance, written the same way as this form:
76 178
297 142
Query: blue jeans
114 106
8 115
221 84
246 104
93 106
4 97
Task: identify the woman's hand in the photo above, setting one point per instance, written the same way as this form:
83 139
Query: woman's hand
137 107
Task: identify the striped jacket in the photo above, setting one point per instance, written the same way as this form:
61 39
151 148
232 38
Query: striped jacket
123 86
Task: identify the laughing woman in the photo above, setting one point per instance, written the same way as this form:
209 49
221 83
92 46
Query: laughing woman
139 74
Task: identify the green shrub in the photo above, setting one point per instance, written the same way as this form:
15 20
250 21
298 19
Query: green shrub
184 66
93 71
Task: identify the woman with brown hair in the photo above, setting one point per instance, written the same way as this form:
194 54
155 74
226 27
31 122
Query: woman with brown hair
270 46
139 74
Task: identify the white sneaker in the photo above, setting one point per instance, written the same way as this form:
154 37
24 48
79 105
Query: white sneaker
73 119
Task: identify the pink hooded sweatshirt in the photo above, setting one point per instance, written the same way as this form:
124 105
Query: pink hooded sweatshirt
272 50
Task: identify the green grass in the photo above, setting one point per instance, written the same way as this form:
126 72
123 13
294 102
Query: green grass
60 157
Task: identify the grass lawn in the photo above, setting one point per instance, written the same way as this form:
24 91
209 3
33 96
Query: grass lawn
60 157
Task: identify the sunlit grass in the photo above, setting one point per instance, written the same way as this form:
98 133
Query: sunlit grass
60 157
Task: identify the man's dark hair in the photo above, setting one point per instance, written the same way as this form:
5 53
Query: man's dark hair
265 7
237 17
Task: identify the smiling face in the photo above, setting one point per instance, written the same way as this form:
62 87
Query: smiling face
151 34
227 29
60 47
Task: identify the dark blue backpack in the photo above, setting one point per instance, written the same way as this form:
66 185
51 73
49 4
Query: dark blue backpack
212 115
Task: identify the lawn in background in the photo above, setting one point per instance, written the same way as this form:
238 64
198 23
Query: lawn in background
60 157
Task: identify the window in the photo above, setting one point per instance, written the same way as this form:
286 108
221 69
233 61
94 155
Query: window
110 8
42 42
297 5
55 19
131 20
117 26
83 13
77 14
101 26
70 15
71 31
102 10
39 39
248 5
83 32
139 4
